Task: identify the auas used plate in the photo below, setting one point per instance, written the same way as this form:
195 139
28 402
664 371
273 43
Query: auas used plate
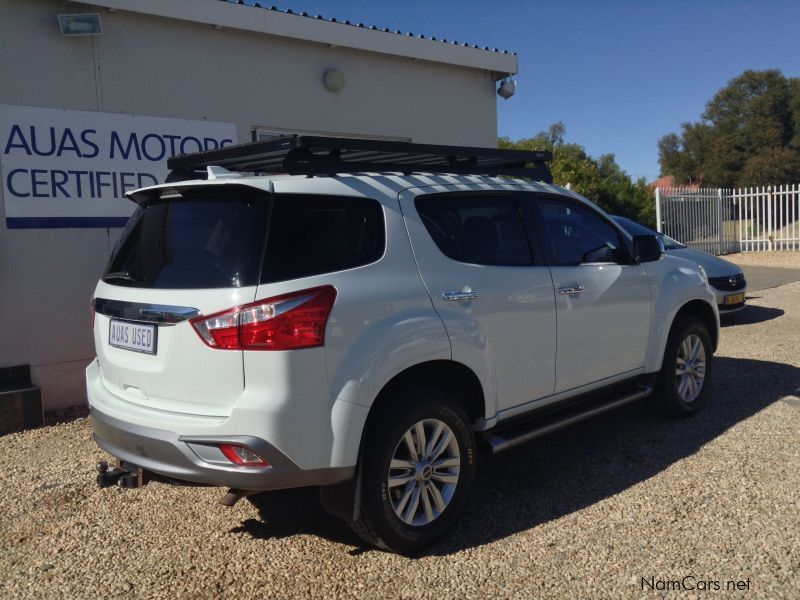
138 337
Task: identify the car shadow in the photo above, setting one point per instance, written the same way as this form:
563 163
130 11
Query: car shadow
749 315
564 472
284 513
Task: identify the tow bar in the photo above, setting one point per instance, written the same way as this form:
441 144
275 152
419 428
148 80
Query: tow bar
129 476
124 475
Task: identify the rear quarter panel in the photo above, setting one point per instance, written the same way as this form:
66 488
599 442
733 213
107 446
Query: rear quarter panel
382 323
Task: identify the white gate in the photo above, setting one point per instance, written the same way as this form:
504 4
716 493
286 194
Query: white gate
721 221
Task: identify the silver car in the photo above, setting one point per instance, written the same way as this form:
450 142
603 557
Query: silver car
726 279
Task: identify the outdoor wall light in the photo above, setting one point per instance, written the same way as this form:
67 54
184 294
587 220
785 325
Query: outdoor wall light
88 24
333 80
507 88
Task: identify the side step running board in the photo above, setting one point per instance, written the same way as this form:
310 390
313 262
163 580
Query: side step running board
503 440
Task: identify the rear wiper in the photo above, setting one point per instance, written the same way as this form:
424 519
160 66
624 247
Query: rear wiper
125 275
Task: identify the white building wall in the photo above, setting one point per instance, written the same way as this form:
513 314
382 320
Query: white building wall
148 65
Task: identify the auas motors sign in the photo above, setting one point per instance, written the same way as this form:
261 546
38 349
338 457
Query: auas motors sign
69 168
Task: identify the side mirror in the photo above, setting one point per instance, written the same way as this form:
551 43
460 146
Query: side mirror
648 248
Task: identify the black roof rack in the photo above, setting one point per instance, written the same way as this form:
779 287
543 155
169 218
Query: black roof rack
318 155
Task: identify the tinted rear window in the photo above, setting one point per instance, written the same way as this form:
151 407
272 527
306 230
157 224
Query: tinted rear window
207 237
216 236
476 228
315 234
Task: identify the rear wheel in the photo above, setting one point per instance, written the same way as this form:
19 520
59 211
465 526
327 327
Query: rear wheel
418 467
686 371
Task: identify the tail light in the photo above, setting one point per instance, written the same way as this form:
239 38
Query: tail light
244 457
286 322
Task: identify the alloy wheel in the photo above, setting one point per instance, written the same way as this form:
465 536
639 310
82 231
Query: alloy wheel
423 474
690 368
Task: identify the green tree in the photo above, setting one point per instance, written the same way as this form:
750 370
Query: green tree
681 155
749 134
794 108
601 180
772 165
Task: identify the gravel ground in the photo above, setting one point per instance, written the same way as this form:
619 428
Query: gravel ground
594 511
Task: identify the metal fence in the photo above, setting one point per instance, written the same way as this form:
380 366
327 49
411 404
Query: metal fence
722 221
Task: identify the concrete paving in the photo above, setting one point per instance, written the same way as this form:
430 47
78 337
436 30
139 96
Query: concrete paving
760 277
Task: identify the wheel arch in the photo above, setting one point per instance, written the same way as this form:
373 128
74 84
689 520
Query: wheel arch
448 375
343 500
670 398
703 311
695 307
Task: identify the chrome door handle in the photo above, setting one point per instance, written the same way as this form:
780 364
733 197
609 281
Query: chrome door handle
577 289
460 295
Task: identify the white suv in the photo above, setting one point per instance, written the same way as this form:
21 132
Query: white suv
367 333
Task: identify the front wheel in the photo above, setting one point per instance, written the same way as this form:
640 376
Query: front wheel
683 382
418 466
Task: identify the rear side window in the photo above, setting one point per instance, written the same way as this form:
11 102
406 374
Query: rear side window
484 229
203 237
315 234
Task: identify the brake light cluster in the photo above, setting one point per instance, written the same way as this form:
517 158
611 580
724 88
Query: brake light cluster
244 457
286 322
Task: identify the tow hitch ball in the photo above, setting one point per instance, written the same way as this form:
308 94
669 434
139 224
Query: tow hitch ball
125 475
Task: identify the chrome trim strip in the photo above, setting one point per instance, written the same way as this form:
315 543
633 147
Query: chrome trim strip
162 314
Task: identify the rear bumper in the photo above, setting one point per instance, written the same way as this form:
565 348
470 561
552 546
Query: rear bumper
197 459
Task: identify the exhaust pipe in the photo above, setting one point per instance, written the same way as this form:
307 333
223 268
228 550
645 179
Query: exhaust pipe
233 496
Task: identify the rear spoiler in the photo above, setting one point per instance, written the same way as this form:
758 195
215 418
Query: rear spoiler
166 191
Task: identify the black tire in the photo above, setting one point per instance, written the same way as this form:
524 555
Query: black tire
668 398
379 523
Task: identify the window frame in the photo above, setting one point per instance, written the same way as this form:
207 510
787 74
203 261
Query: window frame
547 241
535 248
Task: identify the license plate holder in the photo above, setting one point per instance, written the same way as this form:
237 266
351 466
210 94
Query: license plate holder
734 298
136 337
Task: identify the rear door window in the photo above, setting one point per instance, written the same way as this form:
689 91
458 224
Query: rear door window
315 234
201 237
484 229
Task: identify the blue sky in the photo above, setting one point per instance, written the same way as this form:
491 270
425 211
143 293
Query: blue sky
619 74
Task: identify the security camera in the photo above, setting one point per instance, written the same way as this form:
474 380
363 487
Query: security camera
507 88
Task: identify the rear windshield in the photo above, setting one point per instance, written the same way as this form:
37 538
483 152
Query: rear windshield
207 237
217 237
